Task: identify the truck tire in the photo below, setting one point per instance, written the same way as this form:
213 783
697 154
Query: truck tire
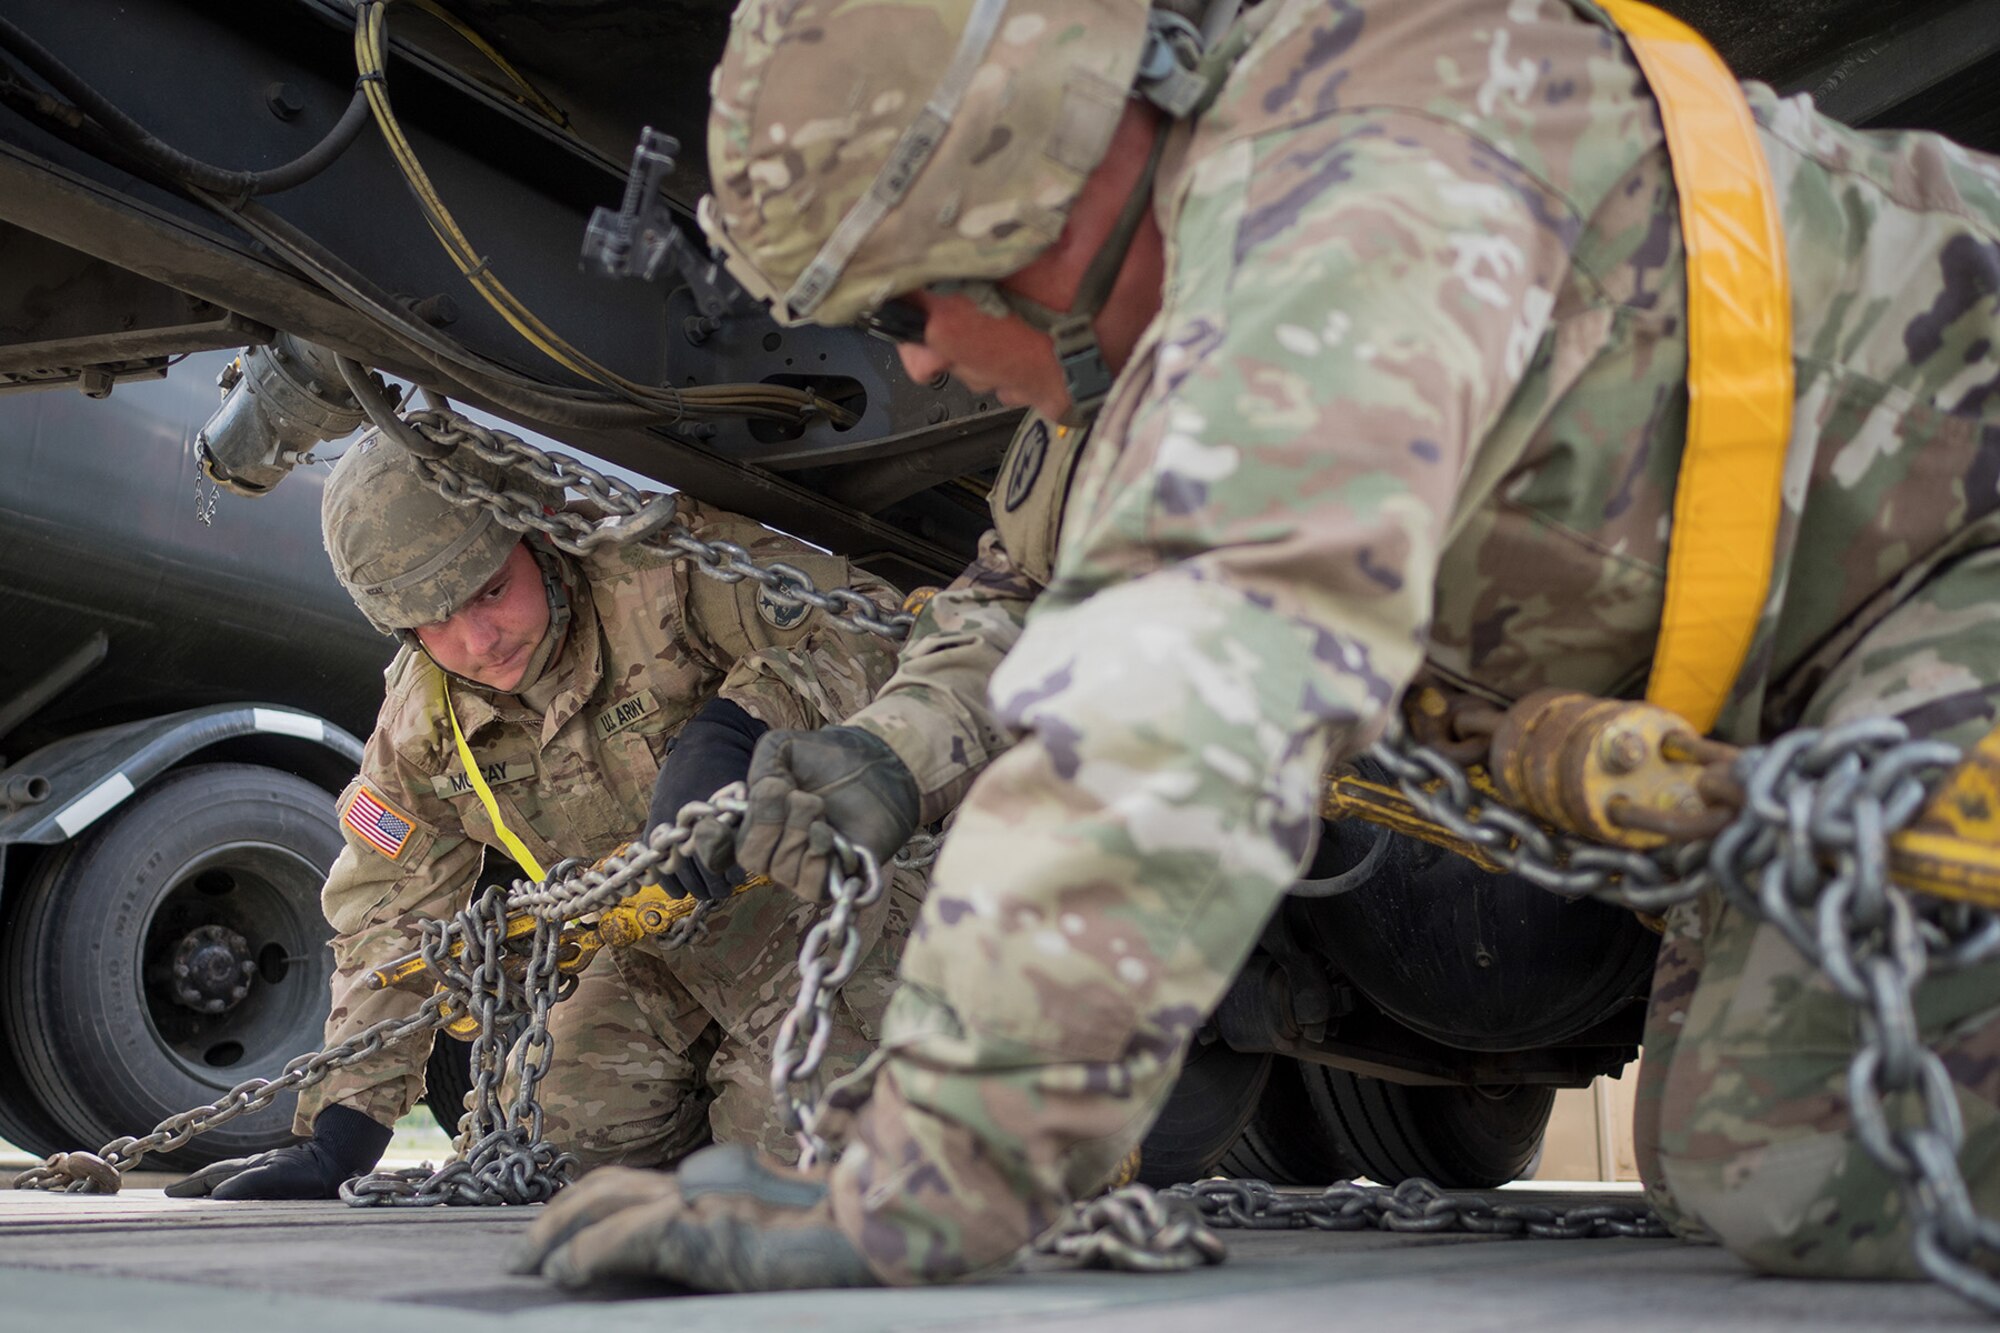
173 952
1214 1097
24 1121
1284 1143
1457 1137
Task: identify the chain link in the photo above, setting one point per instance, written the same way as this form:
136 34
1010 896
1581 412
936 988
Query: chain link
101 1172
827 958
630 516
1808 853
502 1155
1144 1230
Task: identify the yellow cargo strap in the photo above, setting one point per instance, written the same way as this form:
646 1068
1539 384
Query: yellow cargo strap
1739 375
515 847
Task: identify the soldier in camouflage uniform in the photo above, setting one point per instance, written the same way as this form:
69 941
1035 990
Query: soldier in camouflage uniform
1407 399
598 694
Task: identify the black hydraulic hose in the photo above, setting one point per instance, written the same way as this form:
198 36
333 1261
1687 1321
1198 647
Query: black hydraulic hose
169 159
548 403
381 410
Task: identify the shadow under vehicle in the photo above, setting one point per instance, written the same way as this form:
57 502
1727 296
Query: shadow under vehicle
187 174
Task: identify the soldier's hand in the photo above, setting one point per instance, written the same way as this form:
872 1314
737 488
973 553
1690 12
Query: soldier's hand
802 783
728 1220
711 751
344 1143
610 1191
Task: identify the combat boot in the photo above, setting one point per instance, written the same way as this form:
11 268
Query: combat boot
728 1220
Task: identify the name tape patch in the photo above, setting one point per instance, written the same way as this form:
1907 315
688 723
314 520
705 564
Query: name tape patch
626 712
372 821
455 784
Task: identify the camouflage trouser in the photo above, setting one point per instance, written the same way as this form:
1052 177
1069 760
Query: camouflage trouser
1091 905
642 1075
1742 1128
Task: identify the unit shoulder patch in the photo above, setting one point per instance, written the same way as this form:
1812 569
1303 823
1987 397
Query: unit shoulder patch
777 614
376 822
626 712
1024 463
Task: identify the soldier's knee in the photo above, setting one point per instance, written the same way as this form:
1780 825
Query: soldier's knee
1808 1206
600 1134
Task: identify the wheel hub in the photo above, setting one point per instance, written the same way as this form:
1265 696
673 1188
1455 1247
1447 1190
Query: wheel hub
212 970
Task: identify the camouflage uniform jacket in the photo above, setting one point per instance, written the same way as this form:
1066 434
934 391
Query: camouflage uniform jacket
650 641
1430 294
1417 386
934 712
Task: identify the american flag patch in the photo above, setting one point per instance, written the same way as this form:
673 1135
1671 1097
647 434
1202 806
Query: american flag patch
376 824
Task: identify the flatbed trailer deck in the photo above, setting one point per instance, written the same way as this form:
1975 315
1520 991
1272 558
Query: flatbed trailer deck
139 1260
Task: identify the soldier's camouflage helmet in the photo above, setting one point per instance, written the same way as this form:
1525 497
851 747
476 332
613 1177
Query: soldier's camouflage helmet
405 554
861 149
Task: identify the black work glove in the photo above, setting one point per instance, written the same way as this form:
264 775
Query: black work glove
345 1143
844 777
712 751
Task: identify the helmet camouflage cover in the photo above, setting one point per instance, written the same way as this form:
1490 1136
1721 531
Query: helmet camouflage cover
862 149
405 554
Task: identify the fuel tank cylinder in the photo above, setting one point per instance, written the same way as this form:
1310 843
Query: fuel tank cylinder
102 530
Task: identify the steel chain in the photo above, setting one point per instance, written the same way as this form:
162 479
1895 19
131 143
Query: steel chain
630 516
1808 853
827 958
102 1171
1145 1230
501 1153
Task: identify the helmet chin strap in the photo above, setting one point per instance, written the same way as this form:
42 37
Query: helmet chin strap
1085 374
554 583
1172 77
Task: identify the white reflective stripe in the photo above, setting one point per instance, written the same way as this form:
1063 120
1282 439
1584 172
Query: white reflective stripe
84 810
912 150
281 723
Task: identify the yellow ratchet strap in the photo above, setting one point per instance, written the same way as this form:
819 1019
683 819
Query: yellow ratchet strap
515 847
1739 376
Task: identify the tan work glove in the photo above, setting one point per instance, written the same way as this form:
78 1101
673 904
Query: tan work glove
728 1220
803 783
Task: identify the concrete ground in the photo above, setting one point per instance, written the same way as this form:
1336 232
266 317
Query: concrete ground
139 1260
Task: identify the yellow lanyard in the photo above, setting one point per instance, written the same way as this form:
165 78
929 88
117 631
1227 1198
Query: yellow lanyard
515 847
1739 377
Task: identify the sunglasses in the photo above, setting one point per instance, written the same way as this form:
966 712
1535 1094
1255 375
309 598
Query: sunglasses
898 320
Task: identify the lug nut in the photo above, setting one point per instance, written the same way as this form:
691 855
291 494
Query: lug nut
1622 751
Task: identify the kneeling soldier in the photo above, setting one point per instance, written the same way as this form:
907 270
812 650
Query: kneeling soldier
598 694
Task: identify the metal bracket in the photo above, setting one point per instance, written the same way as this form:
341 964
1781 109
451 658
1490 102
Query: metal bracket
641 235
